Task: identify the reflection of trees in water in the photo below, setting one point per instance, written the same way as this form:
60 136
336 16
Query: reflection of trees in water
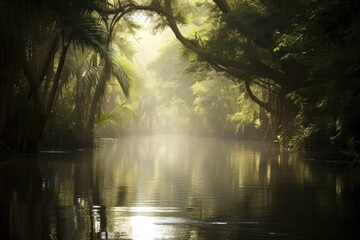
206 177
90 196
29 201
48 197
21 185
213 180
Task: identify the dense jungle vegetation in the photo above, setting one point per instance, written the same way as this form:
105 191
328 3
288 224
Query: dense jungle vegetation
284 71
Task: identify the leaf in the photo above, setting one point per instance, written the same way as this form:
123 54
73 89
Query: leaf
89 79
104 119
123 79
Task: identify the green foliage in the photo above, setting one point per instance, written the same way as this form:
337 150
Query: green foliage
333 83
104 119
61 51
304 55
125 73
194 98
297 60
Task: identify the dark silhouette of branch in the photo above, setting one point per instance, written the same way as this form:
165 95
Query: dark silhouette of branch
262 104
222 5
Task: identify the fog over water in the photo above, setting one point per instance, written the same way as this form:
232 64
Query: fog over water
176 187
109 131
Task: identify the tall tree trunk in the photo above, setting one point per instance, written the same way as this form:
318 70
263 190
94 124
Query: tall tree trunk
96 102
31 133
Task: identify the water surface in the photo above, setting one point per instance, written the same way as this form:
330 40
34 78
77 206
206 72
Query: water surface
176 187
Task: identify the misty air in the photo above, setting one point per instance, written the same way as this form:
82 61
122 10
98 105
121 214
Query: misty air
179 119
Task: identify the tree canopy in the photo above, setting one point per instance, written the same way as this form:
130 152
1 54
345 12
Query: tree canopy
298 61
302 53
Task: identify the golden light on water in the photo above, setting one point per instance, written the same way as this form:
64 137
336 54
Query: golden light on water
140 223
143 227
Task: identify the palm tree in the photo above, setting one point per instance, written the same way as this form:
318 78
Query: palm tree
34 47
90 90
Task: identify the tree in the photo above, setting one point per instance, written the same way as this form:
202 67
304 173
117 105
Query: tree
301 54
329 49
248 56
192 97
298 52
34 49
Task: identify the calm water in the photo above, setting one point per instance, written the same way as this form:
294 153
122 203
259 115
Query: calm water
166 187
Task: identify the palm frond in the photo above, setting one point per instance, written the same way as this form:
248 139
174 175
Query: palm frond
124 73
87 31
128 106
123 79
105 119
89 79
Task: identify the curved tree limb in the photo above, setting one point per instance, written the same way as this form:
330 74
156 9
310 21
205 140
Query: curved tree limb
254 68
262 104
222 5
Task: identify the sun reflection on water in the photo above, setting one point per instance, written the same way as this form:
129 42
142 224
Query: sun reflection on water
140 223
146 189
143 227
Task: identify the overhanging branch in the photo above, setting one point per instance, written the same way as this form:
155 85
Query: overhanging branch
254 68
262 104
222 5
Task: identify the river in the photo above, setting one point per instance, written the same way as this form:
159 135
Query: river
176 187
